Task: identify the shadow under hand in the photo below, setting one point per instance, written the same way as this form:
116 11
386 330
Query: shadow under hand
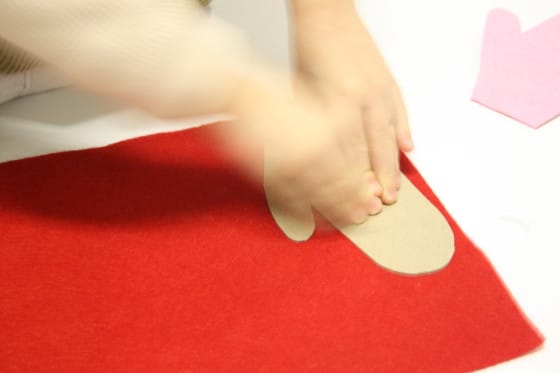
109 186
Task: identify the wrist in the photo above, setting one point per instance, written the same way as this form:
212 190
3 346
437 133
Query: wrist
313 19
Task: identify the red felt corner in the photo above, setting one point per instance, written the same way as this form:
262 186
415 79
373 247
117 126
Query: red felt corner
152 255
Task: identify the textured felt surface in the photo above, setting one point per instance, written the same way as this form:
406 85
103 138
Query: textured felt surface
153 255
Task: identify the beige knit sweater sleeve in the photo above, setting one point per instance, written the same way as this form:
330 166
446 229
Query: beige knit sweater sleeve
166 56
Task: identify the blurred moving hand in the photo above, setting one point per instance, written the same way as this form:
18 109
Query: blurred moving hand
172 60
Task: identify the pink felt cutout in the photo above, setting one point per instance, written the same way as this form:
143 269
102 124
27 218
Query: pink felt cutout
520 71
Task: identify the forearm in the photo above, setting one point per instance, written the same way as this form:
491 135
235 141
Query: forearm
301 9
162 55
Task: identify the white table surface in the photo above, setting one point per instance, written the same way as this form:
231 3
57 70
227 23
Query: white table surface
495 176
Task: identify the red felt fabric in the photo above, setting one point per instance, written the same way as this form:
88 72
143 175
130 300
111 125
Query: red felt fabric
152 255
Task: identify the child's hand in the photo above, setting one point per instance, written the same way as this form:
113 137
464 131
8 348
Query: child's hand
173 61
306 164
338 58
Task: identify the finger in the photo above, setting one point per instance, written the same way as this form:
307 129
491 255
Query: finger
350 199
404 137
383 150
354 145
353 141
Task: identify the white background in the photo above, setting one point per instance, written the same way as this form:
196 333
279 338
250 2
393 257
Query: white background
498 178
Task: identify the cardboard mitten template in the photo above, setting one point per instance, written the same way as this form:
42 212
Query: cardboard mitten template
410 237
155 255
520 70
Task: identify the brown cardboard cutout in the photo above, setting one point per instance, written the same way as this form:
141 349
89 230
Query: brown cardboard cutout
297 229
410 237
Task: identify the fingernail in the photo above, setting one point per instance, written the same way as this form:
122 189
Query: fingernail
375 186
390 196
359 216
374 206
408 145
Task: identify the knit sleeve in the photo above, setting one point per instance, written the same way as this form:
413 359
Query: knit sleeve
14 59
166 56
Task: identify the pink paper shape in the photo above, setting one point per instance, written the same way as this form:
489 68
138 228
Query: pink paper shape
520 71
